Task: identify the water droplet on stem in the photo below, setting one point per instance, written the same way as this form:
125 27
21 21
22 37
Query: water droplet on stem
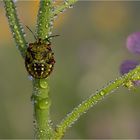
43 84
43 104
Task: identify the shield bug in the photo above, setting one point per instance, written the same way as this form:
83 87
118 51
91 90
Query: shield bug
39 59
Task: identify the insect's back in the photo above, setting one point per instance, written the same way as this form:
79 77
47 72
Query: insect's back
39 60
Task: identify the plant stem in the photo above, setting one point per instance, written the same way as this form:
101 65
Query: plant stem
41 104
40 97
92 100
44 19
16 28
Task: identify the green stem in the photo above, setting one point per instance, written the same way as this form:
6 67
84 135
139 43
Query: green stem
61 8
16 28
40 95
41 104
44 19
92 100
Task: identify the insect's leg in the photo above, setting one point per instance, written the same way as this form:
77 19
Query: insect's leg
49 42
51 61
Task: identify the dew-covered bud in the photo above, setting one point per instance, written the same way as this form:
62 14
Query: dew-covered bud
133 43
127 65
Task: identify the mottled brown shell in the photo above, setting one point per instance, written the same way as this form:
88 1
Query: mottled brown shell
39 60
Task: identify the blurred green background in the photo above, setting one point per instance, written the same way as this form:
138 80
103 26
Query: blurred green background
88 54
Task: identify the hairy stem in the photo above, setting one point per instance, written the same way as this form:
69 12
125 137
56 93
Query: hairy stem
16 28
44 19
92 100
61 8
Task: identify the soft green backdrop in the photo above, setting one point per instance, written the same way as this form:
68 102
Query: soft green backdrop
88 54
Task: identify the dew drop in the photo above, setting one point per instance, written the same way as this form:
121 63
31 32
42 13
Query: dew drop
15 27
33 101
40 12
20 41
86 104
43 104
47 26
51 23
43 84
102 93
50 122
66 2
30 77
24 34
13 33
46 36
22 29
95 99
50 33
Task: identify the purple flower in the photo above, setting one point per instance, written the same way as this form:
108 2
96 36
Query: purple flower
127 65
133 43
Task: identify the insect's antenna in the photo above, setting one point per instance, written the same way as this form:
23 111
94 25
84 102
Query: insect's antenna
52 36
48 38
31 32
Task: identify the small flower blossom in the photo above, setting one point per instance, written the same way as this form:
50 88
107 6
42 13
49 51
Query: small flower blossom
133 43
127 65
